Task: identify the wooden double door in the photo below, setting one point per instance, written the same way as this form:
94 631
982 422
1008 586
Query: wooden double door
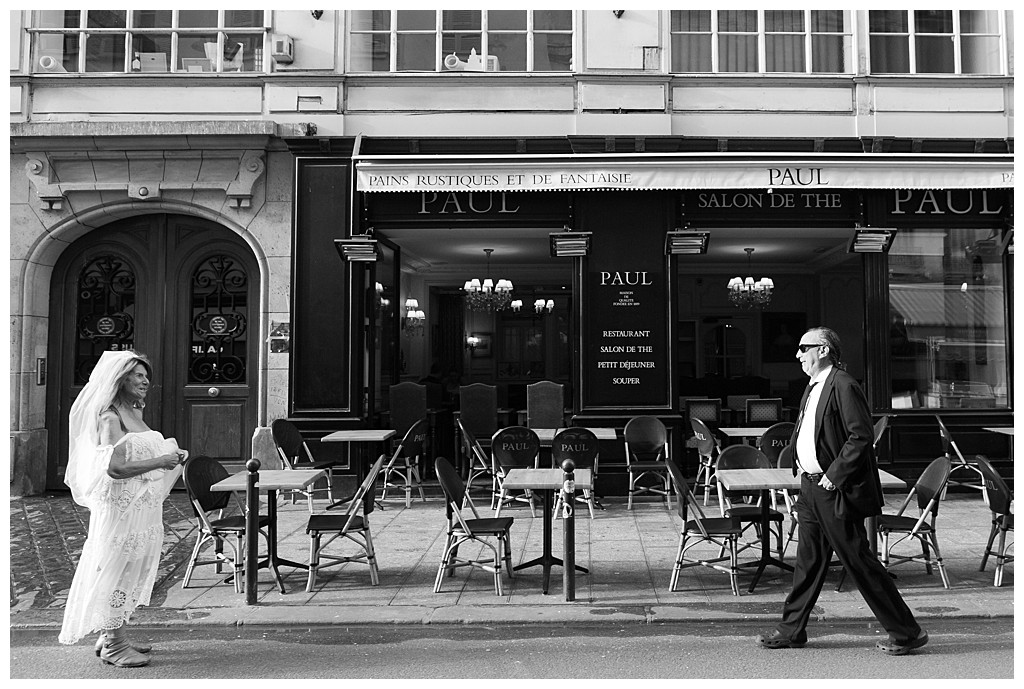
185 292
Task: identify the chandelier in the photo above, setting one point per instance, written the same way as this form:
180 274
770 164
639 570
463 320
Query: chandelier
540 306
488 295
747 294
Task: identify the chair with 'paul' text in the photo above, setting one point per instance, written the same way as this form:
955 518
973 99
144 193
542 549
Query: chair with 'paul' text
581 446
999 499
515 447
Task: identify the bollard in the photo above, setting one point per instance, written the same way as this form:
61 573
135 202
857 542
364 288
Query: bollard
569 529
252 530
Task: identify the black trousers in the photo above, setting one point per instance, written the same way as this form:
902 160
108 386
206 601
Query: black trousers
821 534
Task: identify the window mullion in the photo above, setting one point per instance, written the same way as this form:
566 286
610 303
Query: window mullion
529 41
393 41
714 42
762 43
911 41
957 39
483 37
438 40
808 42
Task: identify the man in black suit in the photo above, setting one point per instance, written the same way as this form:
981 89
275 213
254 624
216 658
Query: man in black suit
839 487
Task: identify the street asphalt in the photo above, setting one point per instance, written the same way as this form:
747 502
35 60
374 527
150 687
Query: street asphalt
629 554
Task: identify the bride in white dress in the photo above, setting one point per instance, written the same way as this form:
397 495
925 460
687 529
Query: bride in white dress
122 471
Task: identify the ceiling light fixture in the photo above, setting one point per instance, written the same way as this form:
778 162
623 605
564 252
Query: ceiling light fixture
488 295
747 294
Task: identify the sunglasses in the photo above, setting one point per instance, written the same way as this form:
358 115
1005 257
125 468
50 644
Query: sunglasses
804 348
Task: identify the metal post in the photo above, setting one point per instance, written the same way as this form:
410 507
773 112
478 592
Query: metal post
252 527
569 529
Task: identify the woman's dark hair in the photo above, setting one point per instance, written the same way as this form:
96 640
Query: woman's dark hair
137 359
830 337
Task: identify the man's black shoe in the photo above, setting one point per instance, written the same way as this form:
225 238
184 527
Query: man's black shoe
893 648
777 640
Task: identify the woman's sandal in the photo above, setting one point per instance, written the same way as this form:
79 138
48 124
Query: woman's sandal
140 646
119 653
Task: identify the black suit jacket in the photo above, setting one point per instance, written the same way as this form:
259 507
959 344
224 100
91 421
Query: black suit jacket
844 444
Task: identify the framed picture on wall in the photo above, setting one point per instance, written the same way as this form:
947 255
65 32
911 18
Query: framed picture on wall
780 335
482 350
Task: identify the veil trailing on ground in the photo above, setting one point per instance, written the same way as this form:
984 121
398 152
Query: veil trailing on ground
87 461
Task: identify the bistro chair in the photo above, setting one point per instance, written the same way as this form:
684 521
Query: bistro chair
708 410
515 447
212 526
479 465
721 532
736 405
295 454
763 411
582 447
881 426
647 456
708 446
957 460
545 405
408 404
478 410
405 463
771 444
928 491
733 502
462 531
999 498
354 526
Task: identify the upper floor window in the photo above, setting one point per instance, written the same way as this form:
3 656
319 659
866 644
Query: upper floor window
761 41
89 41
935 41
460 40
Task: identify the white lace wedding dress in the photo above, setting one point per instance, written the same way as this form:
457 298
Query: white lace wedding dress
121 554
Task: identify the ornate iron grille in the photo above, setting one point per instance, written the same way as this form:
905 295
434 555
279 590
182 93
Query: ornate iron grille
104 310
219 304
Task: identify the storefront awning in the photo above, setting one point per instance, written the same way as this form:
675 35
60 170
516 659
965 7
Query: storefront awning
681 171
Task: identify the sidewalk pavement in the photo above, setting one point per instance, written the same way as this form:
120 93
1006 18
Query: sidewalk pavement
629 553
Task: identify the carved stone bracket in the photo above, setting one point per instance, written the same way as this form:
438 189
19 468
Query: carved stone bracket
144 176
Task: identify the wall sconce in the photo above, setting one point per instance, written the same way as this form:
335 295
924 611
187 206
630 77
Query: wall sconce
471 342
317 14
871 241
414 319
541 306
569 243
360 248
618 13
516 305
678 242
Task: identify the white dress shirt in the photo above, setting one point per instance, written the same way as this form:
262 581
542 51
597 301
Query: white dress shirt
806 455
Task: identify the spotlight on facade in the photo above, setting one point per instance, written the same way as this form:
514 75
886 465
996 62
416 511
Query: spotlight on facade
679 242
359 248
570 243
871 241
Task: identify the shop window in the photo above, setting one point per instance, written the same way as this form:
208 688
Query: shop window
935 41
761 41
947 310
148 41
460 40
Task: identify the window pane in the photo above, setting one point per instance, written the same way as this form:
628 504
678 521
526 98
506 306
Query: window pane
370 53
56 53
783 20
249 57
552 53
784 53
192 19
461 44
934 55
461 19
151 19
151 52
104 53
242 19
737 53
933 21
979 21
948 327
890 55
371 20
737 20
510 49
691 54
58 19
416 20
107 19
979 55
508 20
828 53
416 51
691 20
552 20
888 21
828 20
201 50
